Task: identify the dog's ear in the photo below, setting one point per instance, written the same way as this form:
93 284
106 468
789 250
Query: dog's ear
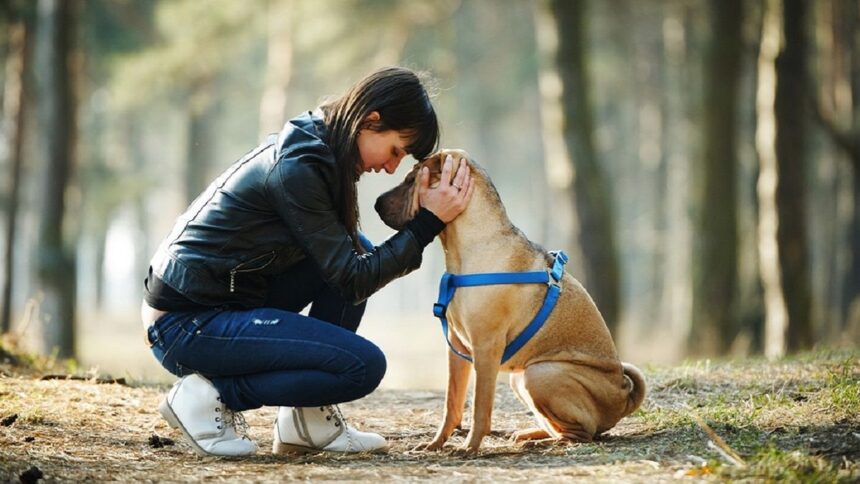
434 164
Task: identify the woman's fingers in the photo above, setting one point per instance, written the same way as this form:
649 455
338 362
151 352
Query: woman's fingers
467 188
469 192
446 171
464 177
459 181
453 193
425 178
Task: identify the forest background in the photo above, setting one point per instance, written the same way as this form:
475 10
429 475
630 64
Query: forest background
699 160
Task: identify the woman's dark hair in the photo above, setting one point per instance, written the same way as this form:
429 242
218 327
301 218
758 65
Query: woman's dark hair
403 104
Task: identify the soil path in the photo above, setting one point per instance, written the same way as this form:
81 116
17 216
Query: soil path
799 418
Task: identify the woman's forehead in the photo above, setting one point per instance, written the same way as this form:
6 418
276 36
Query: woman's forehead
408 137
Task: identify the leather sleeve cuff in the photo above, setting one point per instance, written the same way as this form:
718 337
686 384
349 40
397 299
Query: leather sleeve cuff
425 226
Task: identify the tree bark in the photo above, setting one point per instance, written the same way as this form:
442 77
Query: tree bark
199 141
593 202
715 271
56 263
279 63
677 296
774 300
849 40
556 220
14 110
791 120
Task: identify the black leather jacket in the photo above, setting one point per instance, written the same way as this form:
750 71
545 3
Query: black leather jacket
269 210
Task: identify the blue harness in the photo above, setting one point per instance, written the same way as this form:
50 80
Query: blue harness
550 277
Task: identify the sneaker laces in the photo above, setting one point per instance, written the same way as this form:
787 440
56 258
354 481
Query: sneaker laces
340 420
237 421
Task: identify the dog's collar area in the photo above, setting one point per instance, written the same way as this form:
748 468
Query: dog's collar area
551 277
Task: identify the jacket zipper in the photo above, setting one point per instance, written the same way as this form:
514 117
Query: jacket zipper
237 269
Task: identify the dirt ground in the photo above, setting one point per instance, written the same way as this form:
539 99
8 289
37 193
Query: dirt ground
797 419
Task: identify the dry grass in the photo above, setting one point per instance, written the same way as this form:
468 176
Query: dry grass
797 419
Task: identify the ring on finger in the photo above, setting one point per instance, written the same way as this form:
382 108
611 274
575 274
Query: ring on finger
458 187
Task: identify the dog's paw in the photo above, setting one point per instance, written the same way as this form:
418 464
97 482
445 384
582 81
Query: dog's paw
537 444
465 451
530 434
429 446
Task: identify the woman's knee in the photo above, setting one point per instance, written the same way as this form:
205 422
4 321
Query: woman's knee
373 369
376 366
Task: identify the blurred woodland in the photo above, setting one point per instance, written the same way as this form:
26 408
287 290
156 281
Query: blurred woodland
699 160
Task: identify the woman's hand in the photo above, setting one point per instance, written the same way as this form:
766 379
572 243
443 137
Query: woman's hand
450 197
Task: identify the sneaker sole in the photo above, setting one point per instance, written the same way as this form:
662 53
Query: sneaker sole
167 412
279 448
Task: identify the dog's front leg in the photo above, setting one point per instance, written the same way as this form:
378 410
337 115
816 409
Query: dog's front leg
455 399
486 361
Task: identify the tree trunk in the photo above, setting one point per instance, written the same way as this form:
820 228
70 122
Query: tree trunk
750 292
199 142
100 237
715 271
557 220
132 134
593 202
791 116
56 264
852 282
836 104
14 110
851 43
279 63
676 300
474 90
774 300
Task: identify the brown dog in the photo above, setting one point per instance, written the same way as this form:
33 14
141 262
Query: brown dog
568 374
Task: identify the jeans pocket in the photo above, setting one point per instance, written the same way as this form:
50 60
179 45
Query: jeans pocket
180 370
164 335
195 324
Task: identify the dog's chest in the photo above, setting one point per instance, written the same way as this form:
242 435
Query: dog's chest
479 315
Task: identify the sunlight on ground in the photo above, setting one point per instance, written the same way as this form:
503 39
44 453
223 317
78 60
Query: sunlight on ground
414 346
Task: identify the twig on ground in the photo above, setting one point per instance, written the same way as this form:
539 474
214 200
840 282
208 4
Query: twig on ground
118 381
719 444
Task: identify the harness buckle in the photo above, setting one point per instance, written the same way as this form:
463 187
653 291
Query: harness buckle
551 280
439 310
556 272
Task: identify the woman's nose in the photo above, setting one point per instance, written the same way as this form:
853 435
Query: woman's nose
392 165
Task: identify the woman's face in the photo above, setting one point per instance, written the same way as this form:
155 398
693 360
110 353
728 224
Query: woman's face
381 150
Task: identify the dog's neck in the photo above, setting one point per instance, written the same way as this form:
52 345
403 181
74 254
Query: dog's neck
483 224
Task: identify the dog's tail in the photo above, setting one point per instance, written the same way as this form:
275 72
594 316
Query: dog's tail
637 392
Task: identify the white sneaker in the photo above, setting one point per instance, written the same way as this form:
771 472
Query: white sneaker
194 407
311 429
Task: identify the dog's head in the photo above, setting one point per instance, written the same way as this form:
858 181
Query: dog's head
400 204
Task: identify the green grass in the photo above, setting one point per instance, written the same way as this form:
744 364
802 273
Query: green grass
795 419
774 464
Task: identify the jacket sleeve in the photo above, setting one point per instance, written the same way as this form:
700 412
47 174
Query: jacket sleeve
301 188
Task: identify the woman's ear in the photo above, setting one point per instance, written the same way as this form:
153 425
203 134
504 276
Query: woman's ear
371 120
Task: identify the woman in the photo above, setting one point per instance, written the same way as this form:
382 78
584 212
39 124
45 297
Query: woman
278 231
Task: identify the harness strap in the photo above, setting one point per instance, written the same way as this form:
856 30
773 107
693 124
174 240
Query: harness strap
552 277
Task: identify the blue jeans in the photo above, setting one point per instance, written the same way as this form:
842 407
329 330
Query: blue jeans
272 355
